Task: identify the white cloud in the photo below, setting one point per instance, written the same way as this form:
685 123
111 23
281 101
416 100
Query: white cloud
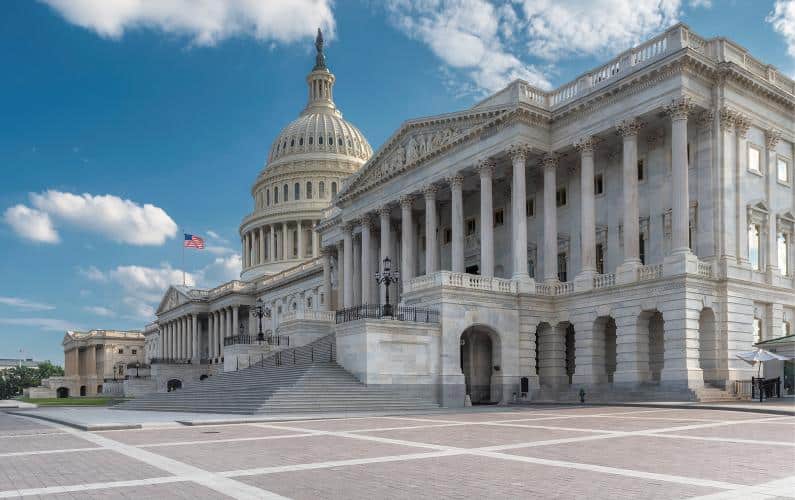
205 22
221 270
31 224
49 324
593 27
467 35
704 4
24 304
217 244
149 282
100 311
782 17
119 220
93 274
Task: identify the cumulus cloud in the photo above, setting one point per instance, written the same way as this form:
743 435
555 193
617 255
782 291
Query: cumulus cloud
782 18
205 22
93 273
24 304
120 220
100 311
222 269
593 27
48 324
31 224
705 4
217 244
467 35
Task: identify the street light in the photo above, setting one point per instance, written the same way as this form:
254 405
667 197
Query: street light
387 277
260 311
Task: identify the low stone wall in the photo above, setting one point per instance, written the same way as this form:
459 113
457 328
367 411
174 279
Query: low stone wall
136 387
189 375
240 356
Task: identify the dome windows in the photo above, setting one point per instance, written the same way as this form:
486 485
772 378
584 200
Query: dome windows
321 188
319 140
310 140
268 197
339 141
297 192
292 142
330 141
308 190
286 193
275 195
333 189
300 141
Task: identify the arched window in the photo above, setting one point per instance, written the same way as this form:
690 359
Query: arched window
339 141
330 141
321 190
297 192
292 142
300 141
268 197
310 139
308 190
320 140
295 243
286 193
275 195
333 189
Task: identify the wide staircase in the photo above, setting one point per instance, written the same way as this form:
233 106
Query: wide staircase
299 380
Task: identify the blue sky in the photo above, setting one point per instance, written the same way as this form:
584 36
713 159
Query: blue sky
122 126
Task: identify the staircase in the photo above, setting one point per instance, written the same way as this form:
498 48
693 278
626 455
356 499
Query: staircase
300 380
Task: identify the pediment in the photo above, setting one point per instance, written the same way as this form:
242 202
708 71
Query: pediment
787 217
171 299
417 141
759 206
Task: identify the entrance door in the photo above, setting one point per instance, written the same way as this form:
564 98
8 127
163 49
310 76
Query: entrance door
476 364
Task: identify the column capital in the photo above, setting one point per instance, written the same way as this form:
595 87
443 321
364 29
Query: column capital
486 167
586 144
384 210
429 191
706 118
741 125
518 151
366 220
727 117
406 200
772 137
456 180
629 127
679 108
550 160
347 228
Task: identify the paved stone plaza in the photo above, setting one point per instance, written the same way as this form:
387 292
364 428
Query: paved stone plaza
540 452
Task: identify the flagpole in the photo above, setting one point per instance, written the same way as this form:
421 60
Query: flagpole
183 257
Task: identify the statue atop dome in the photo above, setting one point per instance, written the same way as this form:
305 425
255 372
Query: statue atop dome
320 59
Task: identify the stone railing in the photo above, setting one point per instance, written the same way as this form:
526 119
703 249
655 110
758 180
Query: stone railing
705 269
461 280
308 315
554 289
310 264
604 280
230 287
646 273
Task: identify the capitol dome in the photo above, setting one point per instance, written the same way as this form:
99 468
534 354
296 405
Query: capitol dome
306 166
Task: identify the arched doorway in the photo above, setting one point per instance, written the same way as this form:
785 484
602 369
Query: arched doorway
173 385
713 357
62 392
478 352
604 330
99 389
570 356
656 346
82 390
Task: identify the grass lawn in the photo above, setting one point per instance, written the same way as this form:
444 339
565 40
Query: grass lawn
74 401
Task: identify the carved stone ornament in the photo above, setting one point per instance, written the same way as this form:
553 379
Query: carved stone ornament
705 119
407 200
456 180
772 137
679 108
518 151
629 127
366 221
727 117
486 167
429 191
550 160
586 144
741 125
384 210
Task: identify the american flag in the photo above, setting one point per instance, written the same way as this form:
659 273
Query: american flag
193 241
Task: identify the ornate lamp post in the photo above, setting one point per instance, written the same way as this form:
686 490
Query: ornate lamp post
387 277
259 311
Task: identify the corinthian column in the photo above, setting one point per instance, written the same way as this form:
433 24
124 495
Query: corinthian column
261 256
431 254
772 137
680 213
584 279
272 243
285 242
406 239
628 129
299 227
550 165
486 170
367 265
347 280
739 235
384 214
457 222
518 214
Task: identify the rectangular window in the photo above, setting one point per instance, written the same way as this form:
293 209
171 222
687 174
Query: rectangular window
600 259
471 226
560 197
753 246
642 249
754 159
530 207
783 254
121 351
641 170
598 185
499 217
782 170
562 267
447 236
688 155
135 351
531 268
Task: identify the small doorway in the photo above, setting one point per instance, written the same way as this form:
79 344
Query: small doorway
62 392
173 385
82 390
477 365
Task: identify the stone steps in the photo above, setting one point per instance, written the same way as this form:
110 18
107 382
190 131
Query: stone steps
272 387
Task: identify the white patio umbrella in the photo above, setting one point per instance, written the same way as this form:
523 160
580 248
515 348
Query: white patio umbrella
760 355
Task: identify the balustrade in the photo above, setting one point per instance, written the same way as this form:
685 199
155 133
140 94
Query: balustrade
646 273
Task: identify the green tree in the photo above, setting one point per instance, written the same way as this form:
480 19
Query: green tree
14 380
47 370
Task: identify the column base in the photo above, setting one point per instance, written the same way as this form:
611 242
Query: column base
630 376
584 281
452 391
681 263
589 378
692 378
627 272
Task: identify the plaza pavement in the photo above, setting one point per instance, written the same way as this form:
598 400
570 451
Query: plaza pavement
539 452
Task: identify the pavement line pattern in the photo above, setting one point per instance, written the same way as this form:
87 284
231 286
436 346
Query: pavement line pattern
46 452
227 440
208 479
52 490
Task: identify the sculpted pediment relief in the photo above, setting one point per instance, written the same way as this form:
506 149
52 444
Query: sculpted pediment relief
171 299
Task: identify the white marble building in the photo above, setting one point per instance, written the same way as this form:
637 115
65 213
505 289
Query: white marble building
626 233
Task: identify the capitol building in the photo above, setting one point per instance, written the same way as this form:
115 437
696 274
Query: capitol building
627 233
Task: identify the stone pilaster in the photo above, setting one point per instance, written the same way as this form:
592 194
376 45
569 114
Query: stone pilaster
550 165
406 239
486 171
347 244
384 214
628 130
457 223
584 280
772 138
518 153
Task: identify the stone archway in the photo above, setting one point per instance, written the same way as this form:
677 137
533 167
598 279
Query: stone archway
713 353
479 361
173 385
650 345
604 331
62 392
82 390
